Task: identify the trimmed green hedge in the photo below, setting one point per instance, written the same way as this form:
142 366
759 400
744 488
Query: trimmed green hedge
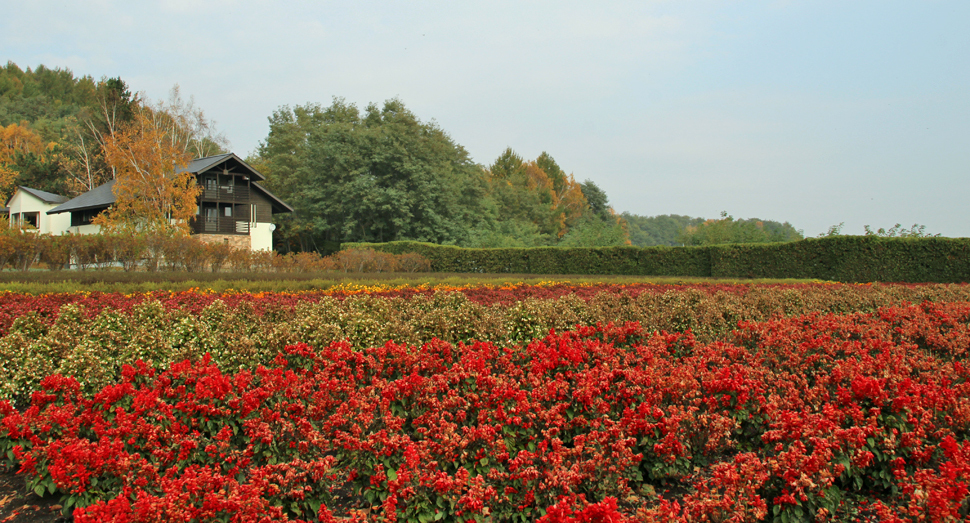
850 259
842 258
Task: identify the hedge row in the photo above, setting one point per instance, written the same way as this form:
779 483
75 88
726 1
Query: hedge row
849 259
23 250
842 258
653 261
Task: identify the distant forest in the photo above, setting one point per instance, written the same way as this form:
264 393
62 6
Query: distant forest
372 174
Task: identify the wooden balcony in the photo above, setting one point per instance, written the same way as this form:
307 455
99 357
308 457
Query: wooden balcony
219 225
226 193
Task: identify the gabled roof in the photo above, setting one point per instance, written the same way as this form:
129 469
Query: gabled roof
200 165
44 196
98 198
102 196
278 205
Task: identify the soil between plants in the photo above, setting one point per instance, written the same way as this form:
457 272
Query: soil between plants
19 506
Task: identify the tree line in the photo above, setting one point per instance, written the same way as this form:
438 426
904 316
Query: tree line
381 174
67 135
372 175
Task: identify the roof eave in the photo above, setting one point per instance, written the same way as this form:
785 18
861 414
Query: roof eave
78 209
286 207
219 158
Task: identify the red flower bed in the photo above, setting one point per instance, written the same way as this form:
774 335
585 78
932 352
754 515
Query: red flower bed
819 417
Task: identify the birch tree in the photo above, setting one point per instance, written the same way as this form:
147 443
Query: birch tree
152 189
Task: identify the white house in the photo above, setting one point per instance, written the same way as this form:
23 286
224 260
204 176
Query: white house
29 207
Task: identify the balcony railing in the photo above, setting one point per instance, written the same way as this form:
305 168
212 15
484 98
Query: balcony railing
219 225
226 193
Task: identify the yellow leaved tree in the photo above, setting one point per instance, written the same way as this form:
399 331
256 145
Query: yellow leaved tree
15 139
152 190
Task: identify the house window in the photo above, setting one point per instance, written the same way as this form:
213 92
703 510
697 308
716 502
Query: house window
211 223
30 218
79 218
252 214
228 211
210 183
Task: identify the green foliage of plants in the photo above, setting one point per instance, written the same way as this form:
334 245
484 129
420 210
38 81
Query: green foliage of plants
625 260
674 230
647 231
140 282
849 259
72 115
727 230
380 174
93 347
835 258
898 231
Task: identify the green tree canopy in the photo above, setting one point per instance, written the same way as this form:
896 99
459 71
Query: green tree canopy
728 230
646 231
380 175
599 203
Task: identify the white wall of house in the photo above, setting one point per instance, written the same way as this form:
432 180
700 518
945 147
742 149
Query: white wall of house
25 208
261 236
82 229
58 223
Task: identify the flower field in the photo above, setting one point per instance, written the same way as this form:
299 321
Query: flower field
811 402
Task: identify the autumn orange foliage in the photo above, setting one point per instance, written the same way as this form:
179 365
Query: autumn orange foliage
564 196
15 138
152 189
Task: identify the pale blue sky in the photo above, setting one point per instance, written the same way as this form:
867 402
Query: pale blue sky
812 112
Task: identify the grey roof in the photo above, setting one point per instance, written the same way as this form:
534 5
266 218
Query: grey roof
46 197
200 165
285 207
99 197
102 196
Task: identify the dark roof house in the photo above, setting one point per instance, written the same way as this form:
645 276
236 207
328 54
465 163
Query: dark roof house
99 198
233 205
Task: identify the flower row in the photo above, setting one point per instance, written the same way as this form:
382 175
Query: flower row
815 417
785 298
90 336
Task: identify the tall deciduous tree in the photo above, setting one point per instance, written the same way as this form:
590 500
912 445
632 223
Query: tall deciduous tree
376 175
17 143
381 175
152 189
522 195
568 199
84 150
189 128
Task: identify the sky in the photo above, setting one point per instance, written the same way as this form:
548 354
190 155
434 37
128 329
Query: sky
817 112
